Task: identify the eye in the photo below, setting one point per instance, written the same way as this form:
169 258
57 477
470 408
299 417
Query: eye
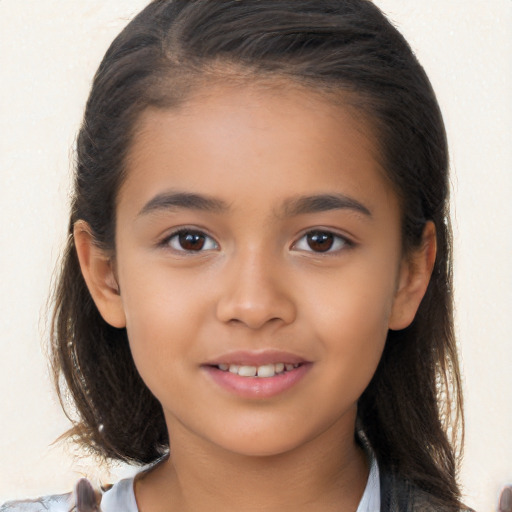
189 240
321 241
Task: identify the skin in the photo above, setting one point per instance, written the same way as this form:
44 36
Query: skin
256 283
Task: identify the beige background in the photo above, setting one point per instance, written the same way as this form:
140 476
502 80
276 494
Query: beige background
49 50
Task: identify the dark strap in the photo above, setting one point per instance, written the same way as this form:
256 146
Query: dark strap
395 494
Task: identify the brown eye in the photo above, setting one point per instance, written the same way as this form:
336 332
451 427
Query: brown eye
320 241
191 241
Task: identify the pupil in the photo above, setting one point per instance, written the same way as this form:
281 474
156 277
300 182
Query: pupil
191 241
320 242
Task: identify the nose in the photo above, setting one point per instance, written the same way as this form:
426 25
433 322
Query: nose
255 294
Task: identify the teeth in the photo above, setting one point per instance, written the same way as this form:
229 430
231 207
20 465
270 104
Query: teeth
265 370
247 371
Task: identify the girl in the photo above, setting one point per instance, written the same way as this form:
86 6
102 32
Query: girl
255 299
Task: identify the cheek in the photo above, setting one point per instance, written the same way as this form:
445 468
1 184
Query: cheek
350 315
358 299
158 300
160 324
353 353
356 336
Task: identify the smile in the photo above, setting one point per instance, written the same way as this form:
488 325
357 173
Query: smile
261 379
262 371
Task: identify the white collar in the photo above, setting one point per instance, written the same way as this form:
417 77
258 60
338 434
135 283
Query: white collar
122 495
370 502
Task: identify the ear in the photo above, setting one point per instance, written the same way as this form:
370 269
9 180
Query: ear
99 274
415 271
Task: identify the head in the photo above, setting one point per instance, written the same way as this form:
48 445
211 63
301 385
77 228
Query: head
345 53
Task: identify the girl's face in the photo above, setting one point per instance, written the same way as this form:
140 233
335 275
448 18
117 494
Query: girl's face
256 233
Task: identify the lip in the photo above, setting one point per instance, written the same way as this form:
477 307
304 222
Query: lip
257 388
256 358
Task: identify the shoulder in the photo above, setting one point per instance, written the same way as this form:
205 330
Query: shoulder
118 497
400 495
55 503
121 496
424 502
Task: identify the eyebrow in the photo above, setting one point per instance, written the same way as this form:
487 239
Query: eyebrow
191 201
291 207
322 203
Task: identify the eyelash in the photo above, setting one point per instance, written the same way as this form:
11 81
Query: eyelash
208 240
338 242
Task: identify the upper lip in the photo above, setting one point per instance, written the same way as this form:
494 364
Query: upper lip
256 358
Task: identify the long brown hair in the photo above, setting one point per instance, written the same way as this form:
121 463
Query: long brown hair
344 47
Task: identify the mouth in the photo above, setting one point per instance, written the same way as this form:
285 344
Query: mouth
257 375
262 371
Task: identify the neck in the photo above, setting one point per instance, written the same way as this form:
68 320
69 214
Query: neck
327 473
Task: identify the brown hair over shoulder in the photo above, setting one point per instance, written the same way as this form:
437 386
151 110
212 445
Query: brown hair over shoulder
337 47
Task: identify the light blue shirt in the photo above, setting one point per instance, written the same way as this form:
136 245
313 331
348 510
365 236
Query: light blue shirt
121 498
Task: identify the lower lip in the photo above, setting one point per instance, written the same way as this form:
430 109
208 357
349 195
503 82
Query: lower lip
257 387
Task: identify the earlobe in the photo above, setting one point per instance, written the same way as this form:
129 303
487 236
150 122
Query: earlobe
415 272
99 274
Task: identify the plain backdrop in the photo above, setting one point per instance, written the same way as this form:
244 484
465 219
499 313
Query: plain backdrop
49 50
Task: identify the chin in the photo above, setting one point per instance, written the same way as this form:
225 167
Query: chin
260 445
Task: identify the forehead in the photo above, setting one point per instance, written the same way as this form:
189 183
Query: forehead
244 140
